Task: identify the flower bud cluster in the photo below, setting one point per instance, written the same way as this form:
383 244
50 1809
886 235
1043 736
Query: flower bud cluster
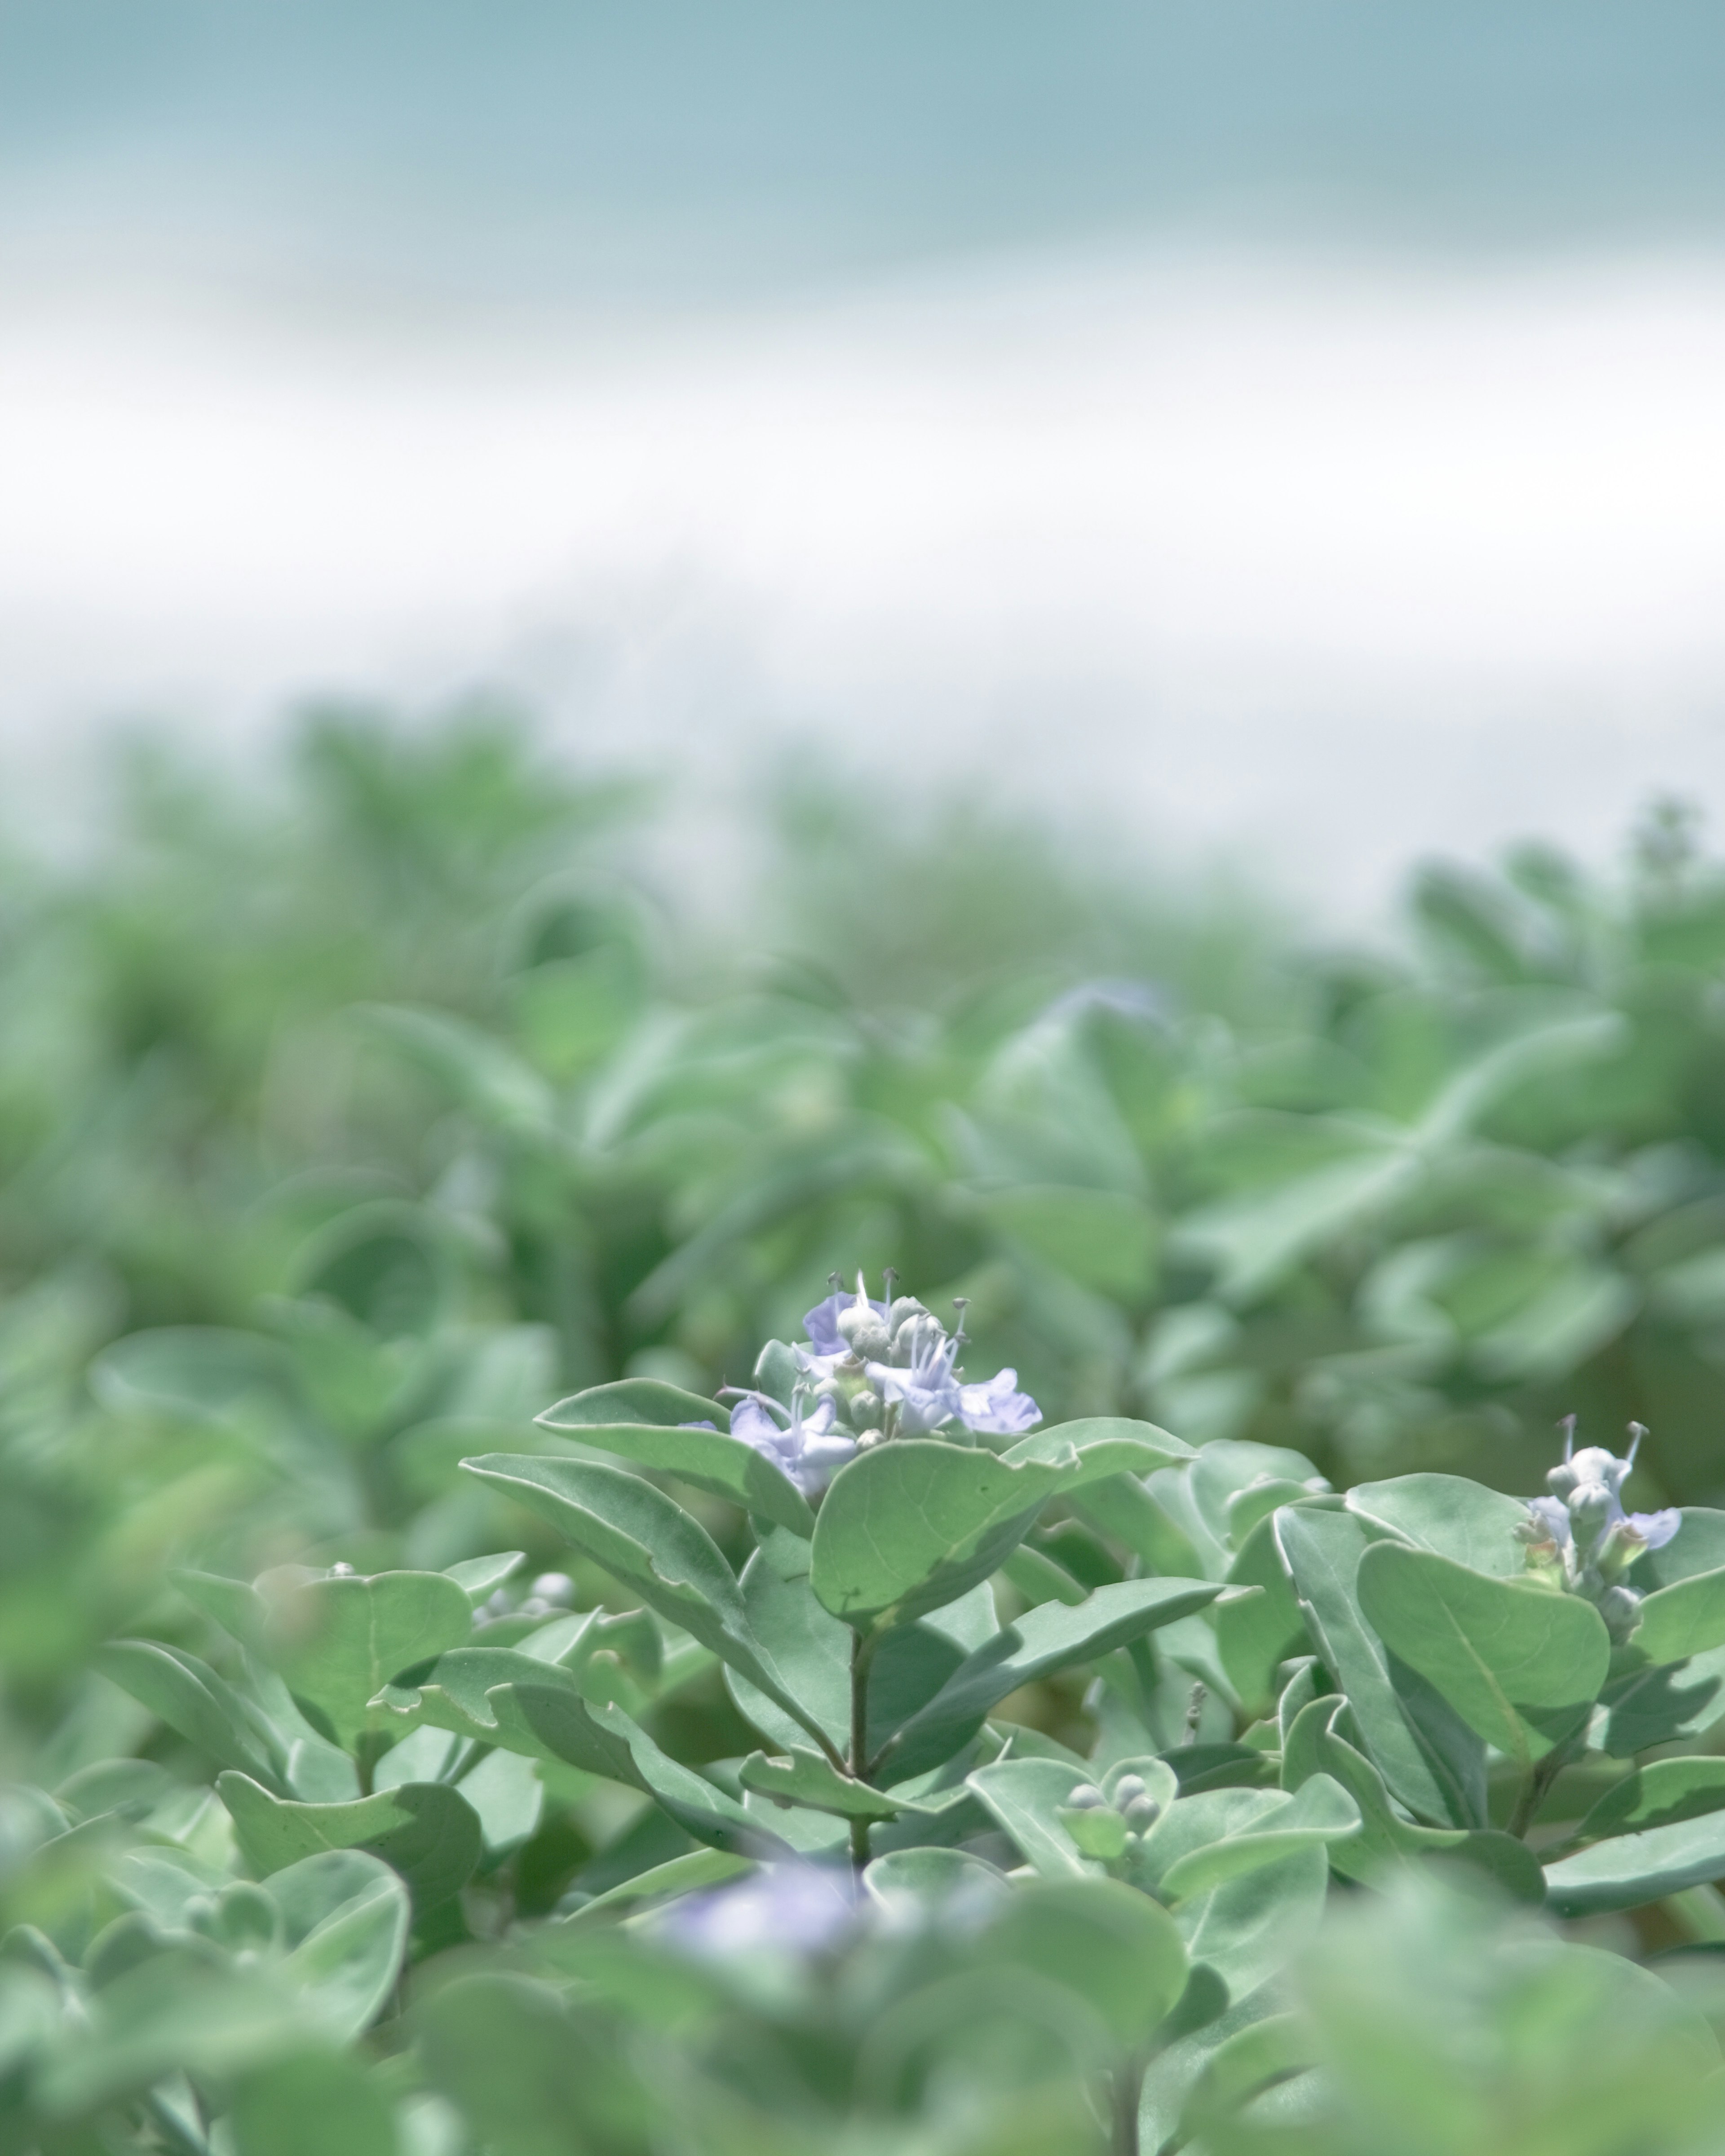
547 1596
1107 1825
1581 1537
870 1371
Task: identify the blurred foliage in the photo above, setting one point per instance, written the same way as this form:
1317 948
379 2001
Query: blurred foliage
347 1121
403 1073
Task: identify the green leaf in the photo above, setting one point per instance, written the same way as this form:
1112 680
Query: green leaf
320 2101
912 1525
238 1607
808 1779
1116 1949
1202 1842
528 2077
453 1692
337 1642
1107 1444
1698 1546
499 1696
190 1697
1521 1664
1255 1633
1664 1793
1043 1640
809 1648
1251 1926
645 1403
1386 1841
708 1459
650 1544
1026 1797
345 1916
1631 1869
1687 1618
1451 1517
478 1577
701 1868
1433 1763
424 1831
910 1882
1648 1704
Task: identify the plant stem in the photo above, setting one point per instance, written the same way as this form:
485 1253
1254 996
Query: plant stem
862 1656
1536 1788
1128 2096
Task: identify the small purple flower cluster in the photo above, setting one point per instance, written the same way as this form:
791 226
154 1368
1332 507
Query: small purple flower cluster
1583 1533
870 1371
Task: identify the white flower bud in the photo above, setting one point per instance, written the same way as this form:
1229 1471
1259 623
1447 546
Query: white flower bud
1086 1798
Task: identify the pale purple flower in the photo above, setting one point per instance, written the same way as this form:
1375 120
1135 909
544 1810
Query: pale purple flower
926 1391
997 1409
790 1908
809 1451
1653 1530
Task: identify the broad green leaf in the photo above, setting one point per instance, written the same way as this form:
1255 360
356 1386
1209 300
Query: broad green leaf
498 1696
507 1797
1202 1842
345 1916
710 1460
1117 1948
1630 1868
650 1544
190 1697
807 1779
1451 1517
810 1648
1107 1444
1026 1796
1255 1633
1043 1640
911 1526
478 1577
699 1869
1664 1793
337 1642
1643 1704
198 1370
1315 1745
1227 1468
238 1607
320 2101
1687 1618
910 1882
453 1692
529 2077
1433 1762
645 1403
1698 1546
1251 1926
424 1831
1521 1664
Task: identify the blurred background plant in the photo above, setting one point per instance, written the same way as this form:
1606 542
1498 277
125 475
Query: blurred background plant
347 1122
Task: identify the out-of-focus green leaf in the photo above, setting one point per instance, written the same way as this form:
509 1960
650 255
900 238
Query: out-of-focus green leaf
189 1696
336 1642
427 1833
